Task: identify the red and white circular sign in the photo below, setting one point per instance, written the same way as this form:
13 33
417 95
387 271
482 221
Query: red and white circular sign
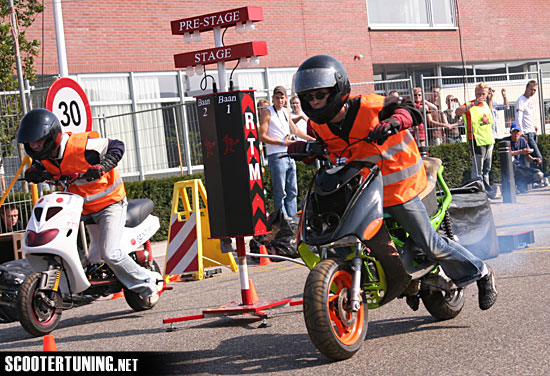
67 100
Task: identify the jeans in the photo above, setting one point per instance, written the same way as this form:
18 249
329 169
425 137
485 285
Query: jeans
481 164
111 222
285 187
532 141
457 262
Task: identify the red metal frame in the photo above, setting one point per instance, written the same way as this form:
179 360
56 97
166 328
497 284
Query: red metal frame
248 305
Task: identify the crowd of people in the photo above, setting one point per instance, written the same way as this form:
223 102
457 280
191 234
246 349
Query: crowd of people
443 122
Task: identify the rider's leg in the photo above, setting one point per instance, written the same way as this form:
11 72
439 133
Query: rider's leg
111 222
457 262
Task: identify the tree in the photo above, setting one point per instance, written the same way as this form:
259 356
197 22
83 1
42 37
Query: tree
10 105
26 11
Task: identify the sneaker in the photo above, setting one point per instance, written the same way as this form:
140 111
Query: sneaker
151 299
487 291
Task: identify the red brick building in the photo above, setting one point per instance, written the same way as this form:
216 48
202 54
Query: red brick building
401 37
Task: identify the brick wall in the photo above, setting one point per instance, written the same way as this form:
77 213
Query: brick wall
121 36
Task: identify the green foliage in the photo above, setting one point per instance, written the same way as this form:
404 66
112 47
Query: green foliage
160 191
456 158
457 161
26 11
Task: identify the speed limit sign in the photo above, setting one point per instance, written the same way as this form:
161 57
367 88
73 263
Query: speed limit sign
67 100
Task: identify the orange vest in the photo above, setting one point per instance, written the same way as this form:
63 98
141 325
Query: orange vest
399 160
97 194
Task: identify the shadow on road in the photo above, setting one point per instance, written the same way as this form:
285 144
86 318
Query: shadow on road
395 326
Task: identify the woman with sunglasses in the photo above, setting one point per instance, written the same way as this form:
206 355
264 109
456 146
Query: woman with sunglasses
351 129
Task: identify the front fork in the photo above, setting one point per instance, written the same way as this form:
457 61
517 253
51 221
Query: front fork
355 294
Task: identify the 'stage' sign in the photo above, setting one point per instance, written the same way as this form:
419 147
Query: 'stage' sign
226 53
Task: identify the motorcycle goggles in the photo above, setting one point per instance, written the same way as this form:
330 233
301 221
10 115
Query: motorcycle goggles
319 95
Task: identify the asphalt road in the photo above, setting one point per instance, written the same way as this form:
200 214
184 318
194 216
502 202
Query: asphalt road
512 338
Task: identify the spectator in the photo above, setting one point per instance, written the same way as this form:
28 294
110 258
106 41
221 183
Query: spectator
2 178
262 104
521 154
436 96
452 121
9 221
276 125
525 116
297 115
419 132
495 107
479 129
393 93
433 119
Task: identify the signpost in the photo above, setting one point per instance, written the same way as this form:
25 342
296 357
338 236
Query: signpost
230 148
67 100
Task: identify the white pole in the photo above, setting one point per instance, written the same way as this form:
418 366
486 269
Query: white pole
221 65
15 30
60 38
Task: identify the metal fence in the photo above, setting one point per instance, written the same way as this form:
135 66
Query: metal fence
161 141
386 87
18 198
444 127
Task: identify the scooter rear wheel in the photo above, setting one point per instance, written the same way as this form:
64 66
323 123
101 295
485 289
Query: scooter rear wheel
39 311
134 300
335 330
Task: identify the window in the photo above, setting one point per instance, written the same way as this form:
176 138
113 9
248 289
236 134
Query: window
411 14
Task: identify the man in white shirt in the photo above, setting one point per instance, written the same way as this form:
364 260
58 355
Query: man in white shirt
277 132
525 116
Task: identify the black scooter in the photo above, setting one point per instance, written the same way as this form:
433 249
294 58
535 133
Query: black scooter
361 259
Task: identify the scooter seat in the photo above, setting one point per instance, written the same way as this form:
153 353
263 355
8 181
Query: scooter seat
138 210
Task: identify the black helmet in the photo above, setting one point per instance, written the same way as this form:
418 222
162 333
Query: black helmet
319 72
37 124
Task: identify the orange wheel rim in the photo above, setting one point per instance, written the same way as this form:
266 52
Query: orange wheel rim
348 335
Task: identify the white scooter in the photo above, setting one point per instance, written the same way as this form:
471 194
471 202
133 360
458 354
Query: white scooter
61 280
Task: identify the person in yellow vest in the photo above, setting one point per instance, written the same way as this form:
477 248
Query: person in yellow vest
348 124
102 189
478 122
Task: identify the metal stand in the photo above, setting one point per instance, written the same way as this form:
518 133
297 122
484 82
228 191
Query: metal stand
250 302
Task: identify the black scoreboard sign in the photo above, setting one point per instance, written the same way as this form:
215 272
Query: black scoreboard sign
231 157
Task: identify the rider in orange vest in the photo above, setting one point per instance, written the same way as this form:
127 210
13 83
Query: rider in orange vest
102 189
351 129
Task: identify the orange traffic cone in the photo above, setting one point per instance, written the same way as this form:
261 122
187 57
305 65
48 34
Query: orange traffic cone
264 260
253 293
175 278
117 295
49 343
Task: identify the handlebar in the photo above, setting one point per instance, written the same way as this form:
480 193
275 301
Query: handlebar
64 180
311 149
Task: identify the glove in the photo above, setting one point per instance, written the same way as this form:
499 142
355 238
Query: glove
297 147
36 175
94 172
383 130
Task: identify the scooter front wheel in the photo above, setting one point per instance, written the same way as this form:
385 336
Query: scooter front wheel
335 330
39 310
